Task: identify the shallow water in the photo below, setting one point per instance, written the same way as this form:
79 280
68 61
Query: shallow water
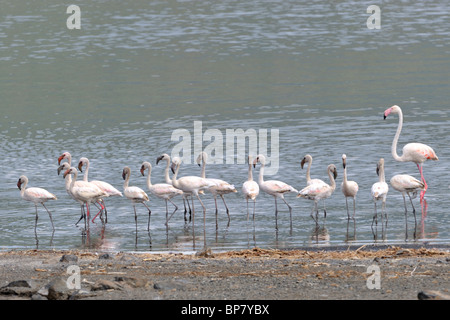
116 90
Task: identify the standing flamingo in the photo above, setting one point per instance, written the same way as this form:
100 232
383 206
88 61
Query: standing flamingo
161 190
135 194
166 157
275 188
407 184
191 185
107 188
35 195
85 193
349 188
379 191
220 188
250 188
320 190
412 152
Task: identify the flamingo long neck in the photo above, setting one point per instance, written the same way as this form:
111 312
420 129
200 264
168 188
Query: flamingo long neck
250 172
174 176
86 172
203 167
23 187
345 175
332 181
68 182
397 135
72 183
308 171
149 181
381 174
127 180
261 174
166 173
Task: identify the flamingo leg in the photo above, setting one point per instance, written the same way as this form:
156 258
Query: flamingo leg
422 193
149 215
102 208
290 212
50 215
36 219
228 211
176 208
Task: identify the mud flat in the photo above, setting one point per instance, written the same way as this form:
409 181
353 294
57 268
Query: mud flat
351 273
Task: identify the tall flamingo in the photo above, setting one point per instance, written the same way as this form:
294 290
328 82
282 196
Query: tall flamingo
220 188
379 191
250 188
135 194
412 152
102 185
191 185
161 190
275 188
320 190
405 183
349 188
85 193
35 195
166 157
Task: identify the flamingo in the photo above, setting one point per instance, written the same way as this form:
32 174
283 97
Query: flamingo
275 188
191 185
161 190
320 190
135 194
349 188
379 191
250 188
308 159
83 192
35 195
166 157
102 185
220 188
405 183
412 152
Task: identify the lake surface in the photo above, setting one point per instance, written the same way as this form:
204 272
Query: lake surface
310 76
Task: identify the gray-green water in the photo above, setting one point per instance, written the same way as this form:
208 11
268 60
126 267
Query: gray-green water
115 91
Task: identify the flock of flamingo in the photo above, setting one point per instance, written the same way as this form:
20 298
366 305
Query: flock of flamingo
87 192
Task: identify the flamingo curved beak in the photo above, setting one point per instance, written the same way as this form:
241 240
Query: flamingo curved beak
303 162
335 174
80 166
172 167
159 159
142 170
60 158
255 162
66 173
19 184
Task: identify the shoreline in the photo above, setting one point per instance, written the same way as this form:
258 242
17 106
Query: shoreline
405 272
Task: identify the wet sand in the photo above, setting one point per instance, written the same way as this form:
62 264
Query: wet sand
352 273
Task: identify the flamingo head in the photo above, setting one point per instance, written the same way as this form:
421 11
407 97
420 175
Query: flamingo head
70 171
126 171
393 109
333 170
344 160
65 155
144 166
305 159
164 156
380 164
20 182
259 158
175 162
64 166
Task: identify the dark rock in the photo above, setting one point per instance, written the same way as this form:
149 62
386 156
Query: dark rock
132 281
105 285
69 258
58 290
105 256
